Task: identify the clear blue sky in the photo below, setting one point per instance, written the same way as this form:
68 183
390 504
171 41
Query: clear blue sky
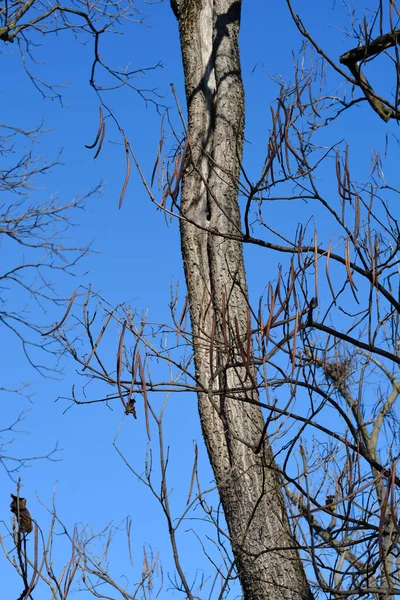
137 256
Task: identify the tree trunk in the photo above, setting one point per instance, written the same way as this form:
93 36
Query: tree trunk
266 556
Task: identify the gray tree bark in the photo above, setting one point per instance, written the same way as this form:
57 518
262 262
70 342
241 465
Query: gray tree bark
266 556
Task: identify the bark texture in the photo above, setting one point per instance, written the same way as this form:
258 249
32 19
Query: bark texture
265 551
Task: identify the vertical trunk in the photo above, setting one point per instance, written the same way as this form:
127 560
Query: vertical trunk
268 563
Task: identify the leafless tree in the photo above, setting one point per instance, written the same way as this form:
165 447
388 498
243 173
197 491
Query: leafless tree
79 562
40 224
23 23
33 222
35 230
297 393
